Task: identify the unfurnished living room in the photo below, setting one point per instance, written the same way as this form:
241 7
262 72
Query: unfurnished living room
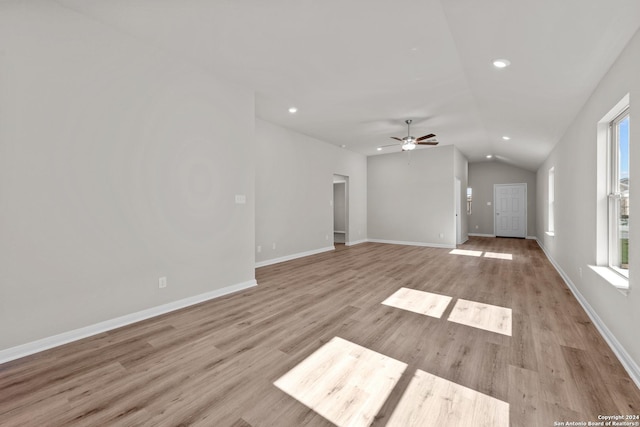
290 213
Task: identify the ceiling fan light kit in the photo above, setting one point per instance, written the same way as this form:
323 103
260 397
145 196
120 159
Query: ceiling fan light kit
409 143
501 63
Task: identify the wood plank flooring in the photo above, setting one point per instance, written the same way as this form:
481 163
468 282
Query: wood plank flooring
344 382
444 403
484 316
215 364
419 302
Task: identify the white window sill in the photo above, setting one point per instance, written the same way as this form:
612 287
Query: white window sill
550 233
619 282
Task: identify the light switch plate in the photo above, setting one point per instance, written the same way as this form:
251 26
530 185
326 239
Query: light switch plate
241 199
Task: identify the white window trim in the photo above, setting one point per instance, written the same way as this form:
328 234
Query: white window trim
614 196
601 265
619 282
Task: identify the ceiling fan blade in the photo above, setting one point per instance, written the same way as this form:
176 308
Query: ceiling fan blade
428 143
431 135
390 145
396 138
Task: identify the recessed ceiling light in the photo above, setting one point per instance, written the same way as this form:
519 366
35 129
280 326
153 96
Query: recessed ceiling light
506 138
501 63
343 146
293 110
489 156
379 148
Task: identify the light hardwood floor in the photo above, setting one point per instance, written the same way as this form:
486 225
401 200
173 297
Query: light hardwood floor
215 364
420 302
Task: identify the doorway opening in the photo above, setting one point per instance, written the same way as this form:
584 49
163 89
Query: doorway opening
340 209
458 219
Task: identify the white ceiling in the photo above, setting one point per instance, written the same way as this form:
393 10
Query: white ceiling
357 69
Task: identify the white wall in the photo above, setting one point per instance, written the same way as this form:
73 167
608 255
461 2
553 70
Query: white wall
294 191
410 197
574 245
482 177
115 167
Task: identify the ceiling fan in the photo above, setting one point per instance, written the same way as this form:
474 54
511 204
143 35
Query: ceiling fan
409 143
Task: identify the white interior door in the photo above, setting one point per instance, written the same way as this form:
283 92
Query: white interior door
510 203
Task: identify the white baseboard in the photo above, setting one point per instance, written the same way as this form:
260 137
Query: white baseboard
294 256
356 242
623 356
97 328
400 242
493 235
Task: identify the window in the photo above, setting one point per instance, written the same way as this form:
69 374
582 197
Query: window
551 221
469 198
612 197
618 193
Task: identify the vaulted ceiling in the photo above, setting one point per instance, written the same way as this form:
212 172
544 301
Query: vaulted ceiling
357 69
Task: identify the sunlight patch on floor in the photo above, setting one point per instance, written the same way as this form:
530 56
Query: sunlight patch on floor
483 316
345 383
431 400
419 302
466 252
498 255
494 255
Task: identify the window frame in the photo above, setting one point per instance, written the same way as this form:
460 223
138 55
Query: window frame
601 262
614 194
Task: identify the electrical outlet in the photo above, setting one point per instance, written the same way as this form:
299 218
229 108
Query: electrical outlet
162 282
274 245
441 235
580 271
476 227
259 248
326 237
